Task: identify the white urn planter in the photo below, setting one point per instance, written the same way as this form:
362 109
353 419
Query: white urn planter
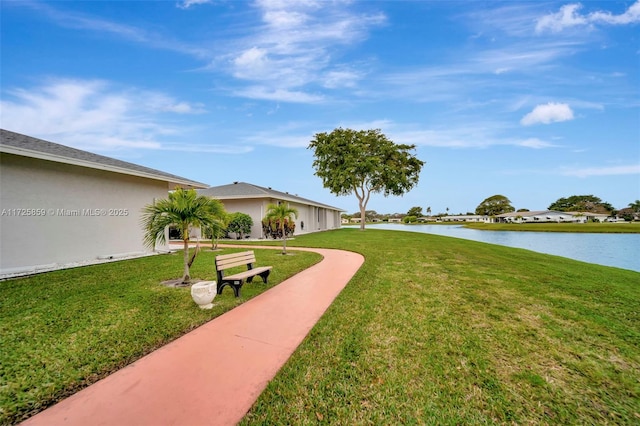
203 293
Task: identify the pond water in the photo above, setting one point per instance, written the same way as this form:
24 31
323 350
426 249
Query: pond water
618 250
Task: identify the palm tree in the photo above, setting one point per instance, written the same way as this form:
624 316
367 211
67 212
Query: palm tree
219 230
183 209
635 206
280 213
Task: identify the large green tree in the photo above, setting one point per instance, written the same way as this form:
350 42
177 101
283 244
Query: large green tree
415 211
494 205
183 209
364 162
281 213
581 203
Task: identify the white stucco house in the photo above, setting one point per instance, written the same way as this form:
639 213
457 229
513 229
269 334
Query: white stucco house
550 216
62 206
253 200
465 218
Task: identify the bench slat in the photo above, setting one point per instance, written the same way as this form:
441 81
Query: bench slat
234 255
233 264
232 260
249 273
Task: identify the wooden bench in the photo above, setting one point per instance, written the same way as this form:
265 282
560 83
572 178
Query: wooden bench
235 281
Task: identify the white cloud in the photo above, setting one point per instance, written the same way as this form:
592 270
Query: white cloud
251 64
630 16
535 143
186 4
93 114
479 135
569 16
341 78
295 47
565 18
85 22
284 19
548 113
632 169
520 57
280 95
251 58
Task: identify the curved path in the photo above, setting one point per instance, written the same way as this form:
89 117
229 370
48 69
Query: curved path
212 375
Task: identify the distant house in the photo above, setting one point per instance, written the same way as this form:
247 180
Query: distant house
61 205
542 216
253 200
626 213
465 218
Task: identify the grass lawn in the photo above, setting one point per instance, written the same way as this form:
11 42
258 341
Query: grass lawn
431 330
436 330
64 330
608 228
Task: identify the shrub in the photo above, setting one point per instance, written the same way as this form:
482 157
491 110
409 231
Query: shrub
240 223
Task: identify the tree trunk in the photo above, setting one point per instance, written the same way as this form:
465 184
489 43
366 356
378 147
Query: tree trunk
363 199
284 240
195 253
186 278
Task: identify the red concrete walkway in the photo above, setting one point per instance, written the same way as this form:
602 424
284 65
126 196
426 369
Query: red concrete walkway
212 375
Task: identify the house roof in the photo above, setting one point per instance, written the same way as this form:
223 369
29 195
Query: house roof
243 190
530 213
27 146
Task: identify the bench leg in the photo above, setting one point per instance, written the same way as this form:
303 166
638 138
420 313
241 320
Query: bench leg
265 275
235 285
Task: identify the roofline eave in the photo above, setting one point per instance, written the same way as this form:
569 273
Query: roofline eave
91 165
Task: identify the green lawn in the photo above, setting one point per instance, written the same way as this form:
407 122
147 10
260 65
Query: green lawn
436 330
63 330
431 330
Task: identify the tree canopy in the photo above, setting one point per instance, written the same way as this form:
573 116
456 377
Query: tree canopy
363 162
415 211
183 209
281 213
495 205
581 203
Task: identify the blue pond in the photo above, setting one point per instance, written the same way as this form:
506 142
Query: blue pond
618 250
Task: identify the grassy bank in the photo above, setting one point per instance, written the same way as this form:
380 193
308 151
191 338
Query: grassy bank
436 330
63 330
608 228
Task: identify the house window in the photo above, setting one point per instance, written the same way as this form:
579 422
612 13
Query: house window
174 233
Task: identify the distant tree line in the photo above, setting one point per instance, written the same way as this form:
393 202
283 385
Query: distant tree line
499 204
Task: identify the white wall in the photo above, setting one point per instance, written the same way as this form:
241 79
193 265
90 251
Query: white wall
61 228
257 209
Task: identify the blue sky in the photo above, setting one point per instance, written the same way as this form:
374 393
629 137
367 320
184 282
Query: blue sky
533 100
